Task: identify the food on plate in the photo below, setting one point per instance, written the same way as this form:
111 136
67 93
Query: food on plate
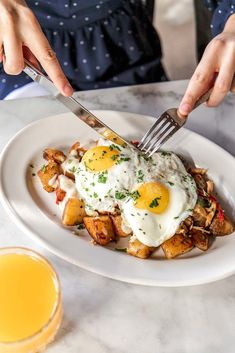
119 193
74 212
100 229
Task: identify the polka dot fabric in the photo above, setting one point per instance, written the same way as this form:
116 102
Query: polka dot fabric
99 44
222 11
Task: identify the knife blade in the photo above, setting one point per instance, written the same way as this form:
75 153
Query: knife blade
74 106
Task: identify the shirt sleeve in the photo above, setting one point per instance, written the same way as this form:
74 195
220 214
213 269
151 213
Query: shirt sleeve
222 11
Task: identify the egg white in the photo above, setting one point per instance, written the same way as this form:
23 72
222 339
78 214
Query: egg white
124 178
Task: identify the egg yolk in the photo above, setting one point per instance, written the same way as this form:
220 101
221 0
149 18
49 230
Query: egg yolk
100 158
108 134
153 197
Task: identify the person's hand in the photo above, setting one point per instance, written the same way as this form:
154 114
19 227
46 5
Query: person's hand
217 67
21 36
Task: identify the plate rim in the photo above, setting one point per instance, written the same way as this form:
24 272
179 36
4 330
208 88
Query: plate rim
58 252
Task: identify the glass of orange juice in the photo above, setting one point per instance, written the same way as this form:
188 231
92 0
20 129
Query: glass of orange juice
30 301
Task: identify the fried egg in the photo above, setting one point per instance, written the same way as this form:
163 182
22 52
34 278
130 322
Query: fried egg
154 195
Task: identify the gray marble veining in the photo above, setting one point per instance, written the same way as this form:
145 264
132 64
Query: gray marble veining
106 316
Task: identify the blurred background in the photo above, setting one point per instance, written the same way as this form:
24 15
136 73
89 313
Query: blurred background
184 28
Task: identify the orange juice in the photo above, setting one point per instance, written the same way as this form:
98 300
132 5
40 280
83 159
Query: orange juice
30 301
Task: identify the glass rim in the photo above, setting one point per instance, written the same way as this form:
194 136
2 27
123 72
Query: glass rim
27 251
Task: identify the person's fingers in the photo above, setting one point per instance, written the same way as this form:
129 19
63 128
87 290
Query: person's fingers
30 57
41 49
232 89
13 57
1 51
198 85
223 81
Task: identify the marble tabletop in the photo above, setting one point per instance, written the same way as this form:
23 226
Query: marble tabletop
107 316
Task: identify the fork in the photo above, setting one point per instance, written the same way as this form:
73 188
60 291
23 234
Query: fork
166 126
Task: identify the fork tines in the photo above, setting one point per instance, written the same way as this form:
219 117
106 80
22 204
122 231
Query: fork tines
164 127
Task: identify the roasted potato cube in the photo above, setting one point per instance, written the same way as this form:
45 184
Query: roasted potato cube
100 229
138 249
200 238
199 216
177 245
74 212
220 227
46 173
54 155
117 224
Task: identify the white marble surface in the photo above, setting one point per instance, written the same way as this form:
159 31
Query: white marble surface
106 316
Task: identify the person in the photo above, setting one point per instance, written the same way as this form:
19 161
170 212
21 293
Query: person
98 43
106 44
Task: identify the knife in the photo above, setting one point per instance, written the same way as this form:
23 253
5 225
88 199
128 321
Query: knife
74 106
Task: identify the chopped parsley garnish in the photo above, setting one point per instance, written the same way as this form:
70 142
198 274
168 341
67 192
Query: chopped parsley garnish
140 176
170 183
135 195
43 168
114 147
93 184
95 195
102 178
119 195
73 169
190 210
122 159
121 249
176 217
80 226
165 153
114 157
154 202
203 202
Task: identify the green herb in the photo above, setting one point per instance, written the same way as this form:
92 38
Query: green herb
190 210
170 183
122 159
140 176
154 202
43 168
114 157
119 195
114 147
176 217
86 189
102 178
135 195
165 153
81 226
121 249
93 184
70 161
73 169
95 195
203 202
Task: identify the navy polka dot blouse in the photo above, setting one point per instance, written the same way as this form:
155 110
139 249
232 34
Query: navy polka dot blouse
222 10
99 43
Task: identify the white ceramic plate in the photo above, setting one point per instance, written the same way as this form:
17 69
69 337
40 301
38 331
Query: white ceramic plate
35 212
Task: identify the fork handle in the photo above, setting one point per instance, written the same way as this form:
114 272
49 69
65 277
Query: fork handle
203 98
